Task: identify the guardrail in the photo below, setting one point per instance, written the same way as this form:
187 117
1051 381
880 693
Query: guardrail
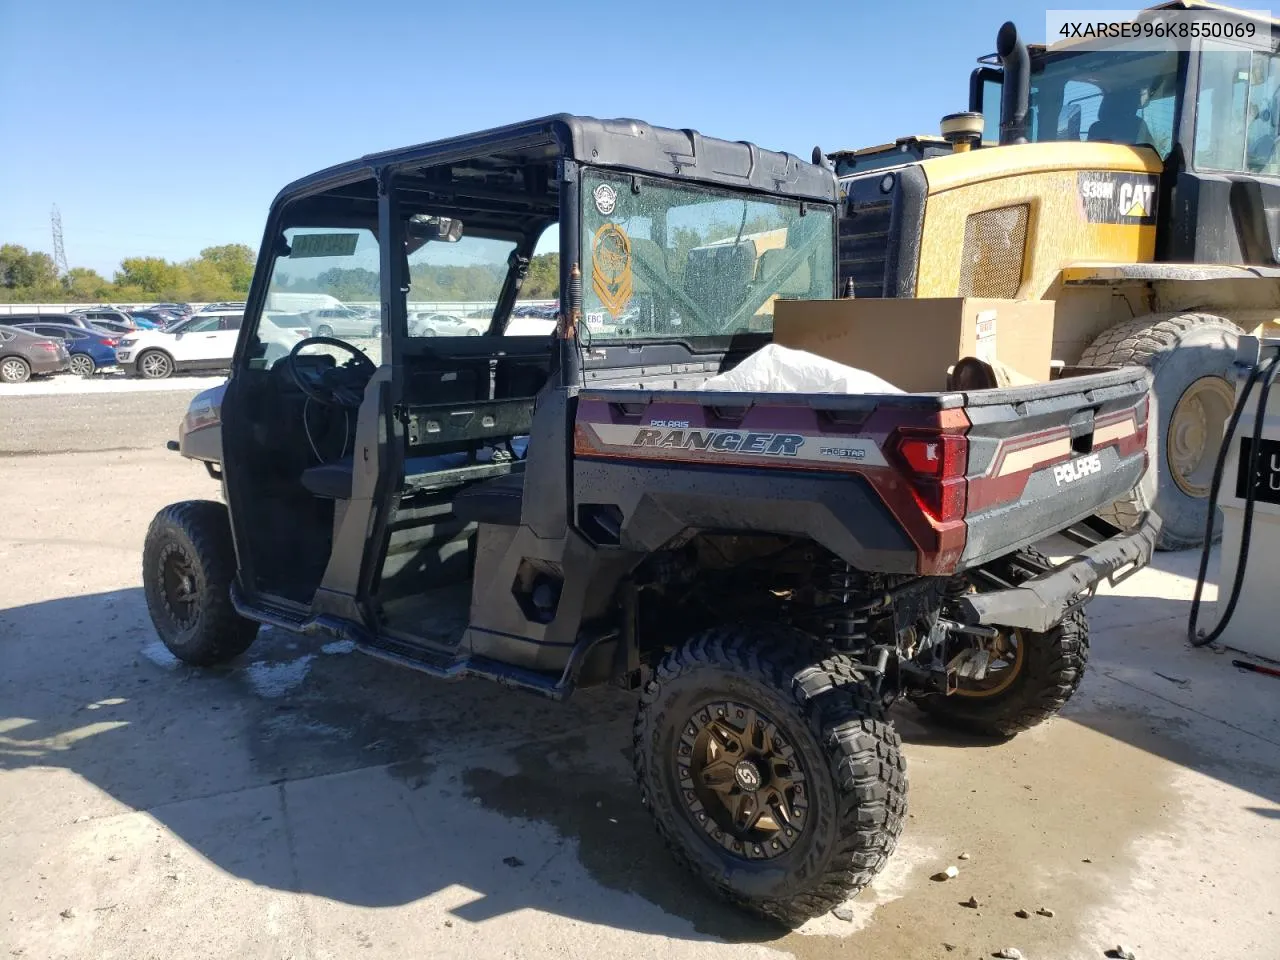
455 308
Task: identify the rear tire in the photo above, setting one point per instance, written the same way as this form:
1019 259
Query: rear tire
155 365
188 564
376 331
82 365
324 330
1190 357
1049 668
14 370
846 809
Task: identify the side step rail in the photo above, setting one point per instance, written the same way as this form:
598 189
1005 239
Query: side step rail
439 666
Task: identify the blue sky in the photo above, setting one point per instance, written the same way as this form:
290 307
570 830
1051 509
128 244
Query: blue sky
160 128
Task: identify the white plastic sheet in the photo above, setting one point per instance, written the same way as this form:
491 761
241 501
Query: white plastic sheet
777 369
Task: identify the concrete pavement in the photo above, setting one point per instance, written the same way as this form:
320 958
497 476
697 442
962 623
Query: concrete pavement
308 802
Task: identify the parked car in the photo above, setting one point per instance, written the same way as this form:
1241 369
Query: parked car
445 325
72 319
177 309
158 319
24 354
342 322
90 351
100 316
112 327
204 342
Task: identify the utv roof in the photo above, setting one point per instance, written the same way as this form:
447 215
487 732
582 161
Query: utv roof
622 144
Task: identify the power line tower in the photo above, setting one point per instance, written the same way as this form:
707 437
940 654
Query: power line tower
59 253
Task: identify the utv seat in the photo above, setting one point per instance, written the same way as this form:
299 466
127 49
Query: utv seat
492 501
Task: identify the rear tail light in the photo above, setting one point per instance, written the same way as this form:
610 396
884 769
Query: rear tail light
46 345
935 460
110 342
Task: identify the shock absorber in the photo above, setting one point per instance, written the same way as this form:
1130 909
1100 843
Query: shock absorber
844 619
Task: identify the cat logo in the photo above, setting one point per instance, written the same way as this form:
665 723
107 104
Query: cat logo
1120 198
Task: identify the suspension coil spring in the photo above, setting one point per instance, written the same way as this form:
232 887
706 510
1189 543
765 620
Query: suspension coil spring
956 588
845 619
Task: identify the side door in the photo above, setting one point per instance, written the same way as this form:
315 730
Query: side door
222 342
197 344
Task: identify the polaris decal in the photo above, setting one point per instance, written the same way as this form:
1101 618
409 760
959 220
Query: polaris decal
1074 470
680 440
1120 198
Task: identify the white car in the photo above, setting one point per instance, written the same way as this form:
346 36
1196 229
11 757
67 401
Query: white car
204 342
426 324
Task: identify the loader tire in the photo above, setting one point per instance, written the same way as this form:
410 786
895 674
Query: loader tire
1190 357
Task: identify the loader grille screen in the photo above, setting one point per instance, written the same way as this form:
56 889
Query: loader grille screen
995 243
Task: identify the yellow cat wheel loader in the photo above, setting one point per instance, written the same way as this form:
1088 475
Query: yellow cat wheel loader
1137 188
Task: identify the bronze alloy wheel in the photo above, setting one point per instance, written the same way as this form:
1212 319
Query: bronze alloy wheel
742 781
178 586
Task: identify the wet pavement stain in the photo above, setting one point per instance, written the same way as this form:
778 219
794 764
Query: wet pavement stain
972 800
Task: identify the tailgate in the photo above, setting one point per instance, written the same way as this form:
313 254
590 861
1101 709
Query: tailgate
1044 457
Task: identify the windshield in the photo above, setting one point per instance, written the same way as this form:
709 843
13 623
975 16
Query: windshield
1117 96
665 260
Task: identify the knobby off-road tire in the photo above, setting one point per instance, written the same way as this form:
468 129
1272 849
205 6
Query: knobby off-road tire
1049 670
188 563
827 723
1189 356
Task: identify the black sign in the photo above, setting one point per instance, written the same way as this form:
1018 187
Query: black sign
1125 198
1266 483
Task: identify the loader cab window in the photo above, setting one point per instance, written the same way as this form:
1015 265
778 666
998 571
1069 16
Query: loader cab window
1112 96
1238 112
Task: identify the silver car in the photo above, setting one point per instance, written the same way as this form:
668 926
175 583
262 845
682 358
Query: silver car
342 322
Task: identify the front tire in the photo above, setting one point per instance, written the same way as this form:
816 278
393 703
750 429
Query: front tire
1038 677
808 807
324 330
155 365
1190 357
14 370
188 564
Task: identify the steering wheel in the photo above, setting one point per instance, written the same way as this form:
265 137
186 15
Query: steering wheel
333 386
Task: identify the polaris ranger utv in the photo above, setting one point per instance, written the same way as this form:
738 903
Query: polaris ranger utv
556 508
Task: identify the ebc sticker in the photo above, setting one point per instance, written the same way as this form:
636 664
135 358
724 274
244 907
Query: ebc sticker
1123 198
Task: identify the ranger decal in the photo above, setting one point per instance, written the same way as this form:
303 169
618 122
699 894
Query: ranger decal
678 440
730 441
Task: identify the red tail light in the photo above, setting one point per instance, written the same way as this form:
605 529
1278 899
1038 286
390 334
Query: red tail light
935 459
110 342
46 345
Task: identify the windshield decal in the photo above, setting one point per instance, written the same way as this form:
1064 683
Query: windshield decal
606 199
611 268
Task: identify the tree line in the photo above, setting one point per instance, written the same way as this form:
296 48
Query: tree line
218 273
431 281
224 273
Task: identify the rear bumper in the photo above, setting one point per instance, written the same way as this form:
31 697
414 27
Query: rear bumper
1040 604
41 364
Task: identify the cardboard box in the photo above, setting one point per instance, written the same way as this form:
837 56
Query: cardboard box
912 343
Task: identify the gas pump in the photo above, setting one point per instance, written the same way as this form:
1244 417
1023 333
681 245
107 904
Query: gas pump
1246 616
